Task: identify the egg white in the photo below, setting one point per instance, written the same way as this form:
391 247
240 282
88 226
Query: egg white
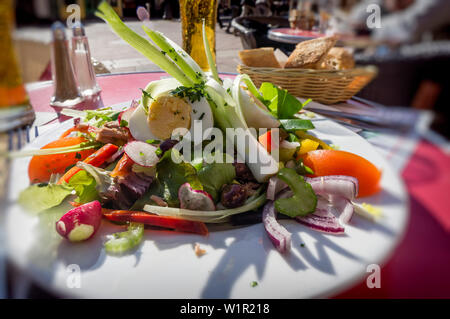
200 111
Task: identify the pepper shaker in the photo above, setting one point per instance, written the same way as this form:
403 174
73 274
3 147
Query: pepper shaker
82 63
66 92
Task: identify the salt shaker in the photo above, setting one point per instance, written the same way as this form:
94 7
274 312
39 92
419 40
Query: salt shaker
81 56
66 92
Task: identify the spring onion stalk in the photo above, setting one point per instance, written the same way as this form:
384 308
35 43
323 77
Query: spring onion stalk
212 65
107 13
216 216
223 106
181 58
250 85
52 151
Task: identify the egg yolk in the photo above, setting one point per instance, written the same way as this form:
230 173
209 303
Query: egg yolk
168 113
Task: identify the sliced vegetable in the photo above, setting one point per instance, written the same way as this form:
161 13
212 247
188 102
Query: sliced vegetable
217 216
77 128
125 241
254 112
275 186
302 202
268 140
195 199
307 145
303 135
123 167
80 223
43 166
94 117
322 220
292 125
287 150
124 116
279 236
142 153
174 223
333 162
39 197
96 159
337 185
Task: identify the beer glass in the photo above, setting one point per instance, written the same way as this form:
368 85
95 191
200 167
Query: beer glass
192 13
14 105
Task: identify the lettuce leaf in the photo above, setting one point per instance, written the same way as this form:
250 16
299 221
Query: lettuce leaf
171 176
85 187
39 197
213 176
279 101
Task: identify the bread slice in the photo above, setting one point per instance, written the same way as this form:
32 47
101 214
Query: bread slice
310 54
338 59
261 57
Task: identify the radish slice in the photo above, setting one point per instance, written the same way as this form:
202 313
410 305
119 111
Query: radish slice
279 236
126 114
195 199
142 153
80 223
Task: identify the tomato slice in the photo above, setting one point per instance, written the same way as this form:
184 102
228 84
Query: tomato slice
333 162
41 167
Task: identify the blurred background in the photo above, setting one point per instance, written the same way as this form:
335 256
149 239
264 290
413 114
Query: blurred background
411 49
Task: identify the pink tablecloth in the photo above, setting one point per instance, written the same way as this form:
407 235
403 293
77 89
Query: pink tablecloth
419 266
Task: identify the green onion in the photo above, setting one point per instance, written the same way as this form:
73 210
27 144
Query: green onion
107 13
209 56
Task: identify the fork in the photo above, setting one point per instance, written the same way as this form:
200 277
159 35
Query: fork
13 140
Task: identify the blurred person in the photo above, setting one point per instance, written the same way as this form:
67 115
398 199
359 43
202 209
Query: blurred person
403 21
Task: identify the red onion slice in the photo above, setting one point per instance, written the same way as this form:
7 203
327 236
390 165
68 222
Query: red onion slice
279 236
338 185
344 207
275 186
322 219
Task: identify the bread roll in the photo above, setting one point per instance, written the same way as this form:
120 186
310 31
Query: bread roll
310 54
338 59
261 57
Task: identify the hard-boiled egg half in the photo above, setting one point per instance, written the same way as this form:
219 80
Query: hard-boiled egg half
161 112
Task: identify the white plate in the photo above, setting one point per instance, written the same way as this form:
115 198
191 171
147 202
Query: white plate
165 265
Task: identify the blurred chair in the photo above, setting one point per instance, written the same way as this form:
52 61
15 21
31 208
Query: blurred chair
253 32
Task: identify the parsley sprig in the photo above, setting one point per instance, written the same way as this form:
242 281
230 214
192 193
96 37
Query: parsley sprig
194 93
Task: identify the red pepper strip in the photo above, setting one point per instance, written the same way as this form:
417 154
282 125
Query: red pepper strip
170 222
95 159
88 129
123 167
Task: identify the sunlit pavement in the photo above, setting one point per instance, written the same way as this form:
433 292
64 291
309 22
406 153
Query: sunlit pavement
119 57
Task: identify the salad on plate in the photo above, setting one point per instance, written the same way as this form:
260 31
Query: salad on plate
195 150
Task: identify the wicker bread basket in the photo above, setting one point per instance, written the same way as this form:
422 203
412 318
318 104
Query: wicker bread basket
323 86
